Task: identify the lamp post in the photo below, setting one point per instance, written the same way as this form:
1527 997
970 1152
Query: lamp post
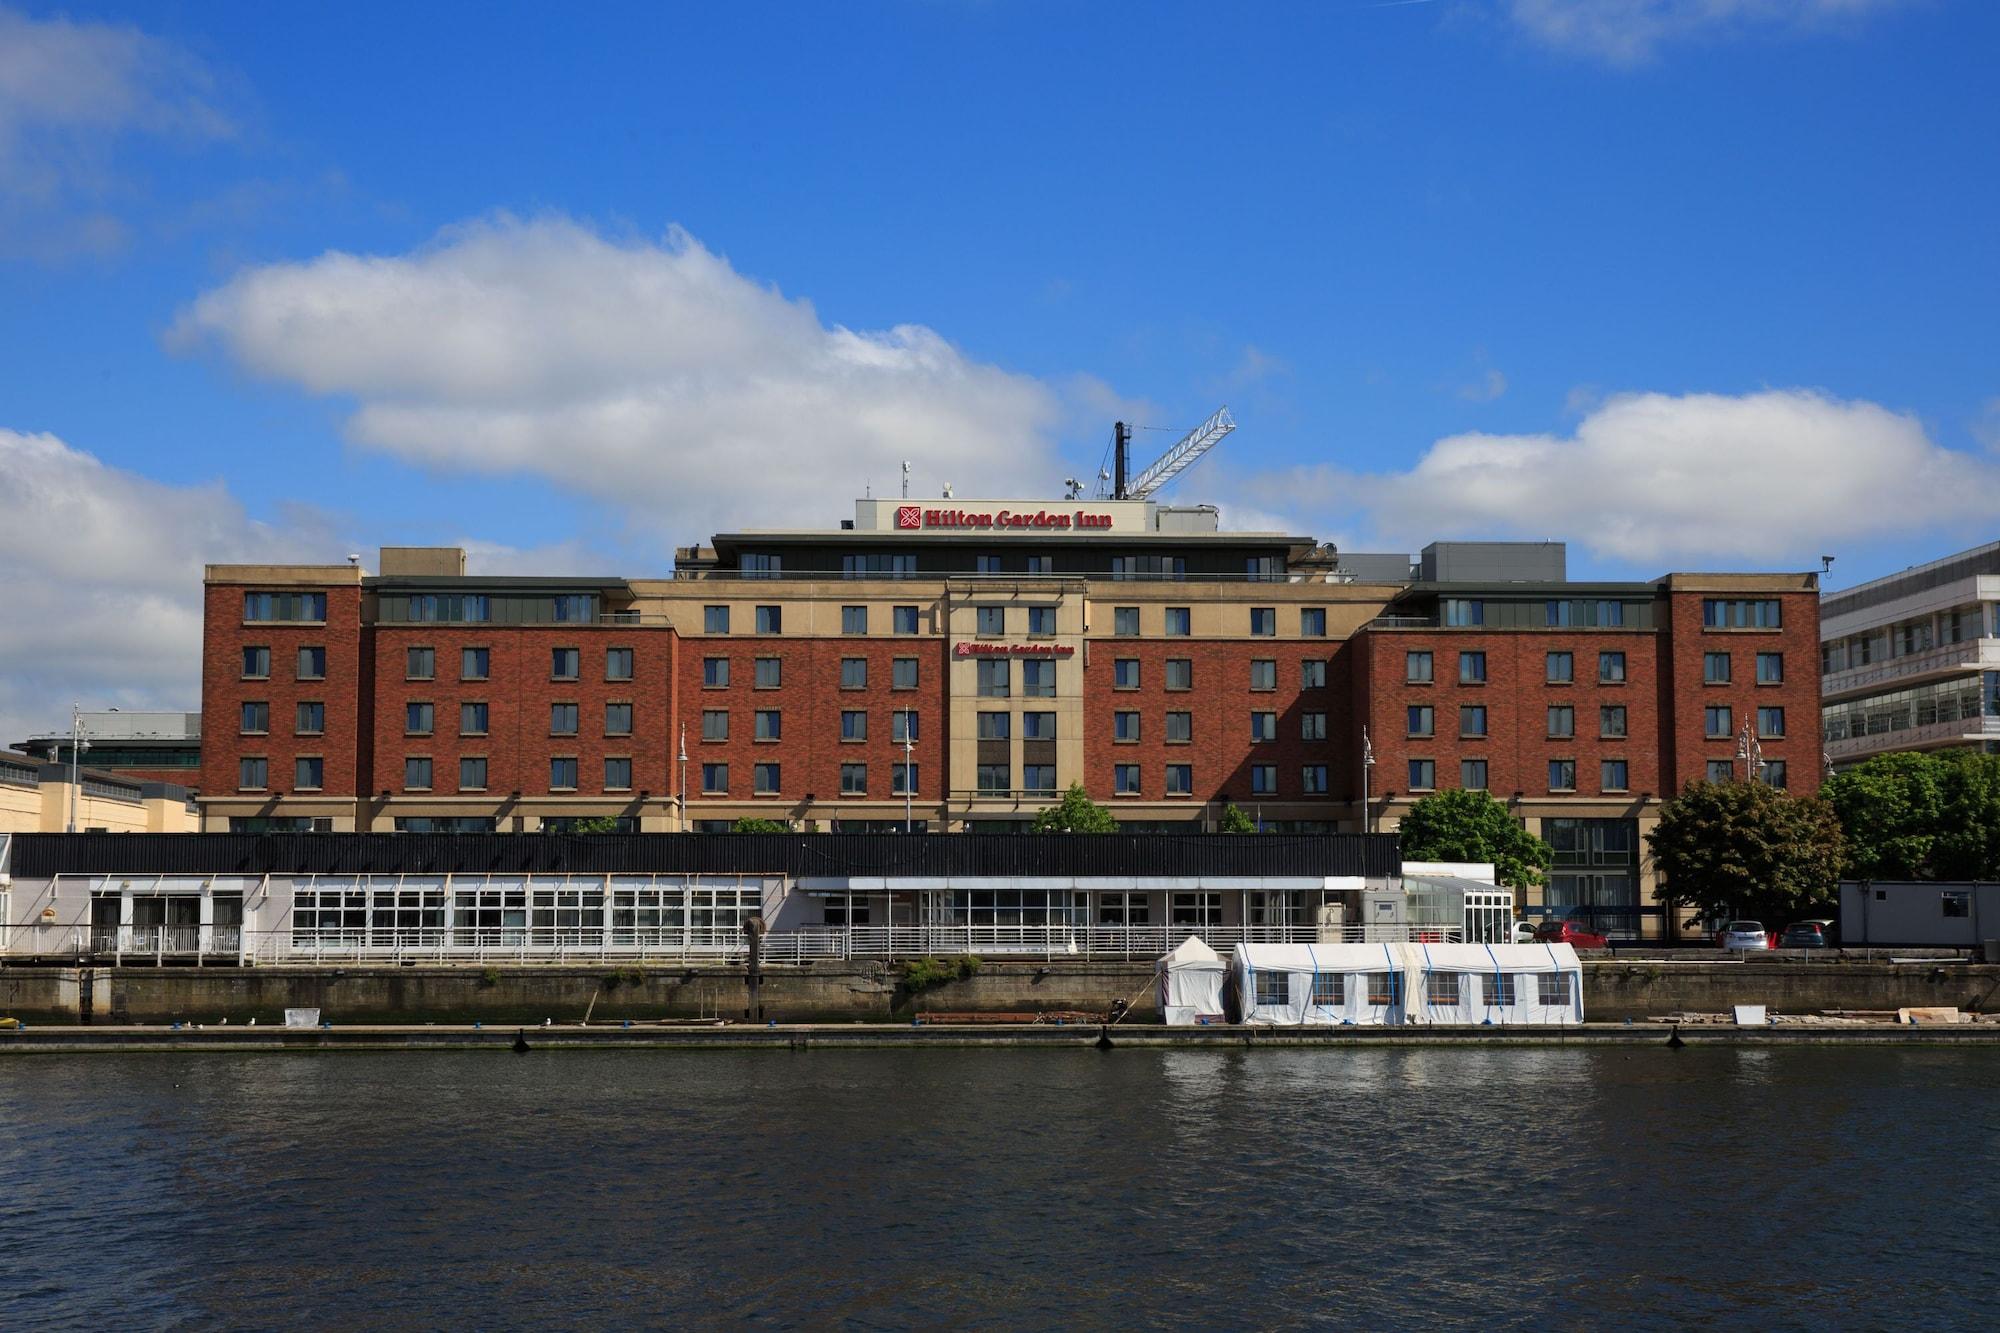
684 778
76 747
1367 762
909 746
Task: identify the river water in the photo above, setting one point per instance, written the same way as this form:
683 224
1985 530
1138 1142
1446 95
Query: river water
1003 1188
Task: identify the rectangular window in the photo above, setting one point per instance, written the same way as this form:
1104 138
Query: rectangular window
1422 720
564 663
1471 720
903 673
877 565
1417 668
769 725
1038 678
995 726
1263 674
1125 673
853 673
250 774
1312 674
1499 989
854 779
715 620
1312 622
1423 774
1381 988
1715 668
1472 774
903 778
714 673
1038 777
1125 727
1721 770
472 719
618 664
770 620
903 619
995 677
1770 722
1562 721
1125 779
572 608
1180 622
1180 728
770 673
853 725
1329 989
256 718
1472 668
764 779
1770 668
308 773
419 663
987 564
903 725
1038 726
1125 621
1611 721
1180 673
562 719
1265 568
1717 722
1312 726
1562 775
312 664
290 606
714 779
474 663
1274 988
416 774
1726 613
715 724
562 774
1611 667
1552 989
256 664
618 719
1955 904
1613 775
994 778
1263 621
1441 989
853 620
617 774
1180 779
1263 726
1041 622
1774 773
1459 612
418 719
992 621
1263 779
472 773
1312 777
309 719
1561 668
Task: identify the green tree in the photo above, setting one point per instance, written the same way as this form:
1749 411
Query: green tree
1463 825
1891 809
1968 844
1742 848
1234 820
748 825
1075 813
596 824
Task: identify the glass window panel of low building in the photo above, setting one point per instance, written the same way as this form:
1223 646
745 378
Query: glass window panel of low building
1312 726
770 620
472 773
1715 668
994 677
618 664
418 719
1312 622
715 619
1770 668
903 778
1263 726
1180 622
1422 719
1471 720
1721 770
769 724
1180 779
1180 727
1038 678
853 620
618 719
1770 722
1611 667
853 673
1125 673
995 777
1562 720
853 725
765 779
992 621
1041 621
903 619
617 774
1125 621
1125 727
715 724
903 673
1561 668
1611 720
1416 667
903 725
1472 774
472 719
994 726
309 718
250 773
562 719
256 718
1423 774
854 779
416 774
1472 668
1613 775
311 663
256 663
563 663
1038 777
715 778
1562 775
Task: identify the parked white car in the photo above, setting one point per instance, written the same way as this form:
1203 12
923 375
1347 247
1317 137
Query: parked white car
1744 935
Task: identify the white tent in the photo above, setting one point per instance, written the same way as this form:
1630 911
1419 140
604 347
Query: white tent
1385 985
1190 981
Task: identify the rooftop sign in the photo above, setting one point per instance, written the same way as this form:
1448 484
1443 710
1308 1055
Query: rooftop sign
1014 518
919 518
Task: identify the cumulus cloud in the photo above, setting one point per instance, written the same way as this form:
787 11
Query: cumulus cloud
649 375
1688 481
1627 32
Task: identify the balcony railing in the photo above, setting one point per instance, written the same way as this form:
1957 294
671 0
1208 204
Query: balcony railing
1978 654
1903 738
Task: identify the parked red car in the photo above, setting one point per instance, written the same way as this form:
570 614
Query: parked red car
1562 932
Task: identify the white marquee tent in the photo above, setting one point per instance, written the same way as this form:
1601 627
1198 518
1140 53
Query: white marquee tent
1190 980
1385 985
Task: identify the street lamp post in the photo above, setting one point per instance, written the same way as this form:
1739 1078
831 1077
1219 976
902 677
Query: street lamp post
909 747
1367 762
684 777
76 747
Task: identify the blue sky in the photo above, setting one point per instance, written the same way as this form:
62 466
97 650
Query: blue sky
1691 286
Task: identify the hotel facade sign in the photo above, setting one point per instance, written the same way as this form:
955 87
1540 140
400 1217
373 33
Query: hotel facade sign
970 649
922 518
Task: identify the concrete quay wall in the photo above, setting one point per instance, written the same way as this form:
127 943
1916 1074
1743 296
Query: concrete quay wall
851 992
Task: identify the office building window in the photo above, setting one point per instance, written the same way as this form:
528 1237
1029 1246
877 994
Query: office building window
1312 622
992 621
1263 779
1613 775
1721 770
1125 779
994 726
1717 721
995 677
1422 719
1312 674
1611 721
853 725
715 724
474 663
562 719
1180 779
1561 668
309 718
1125 621
715 619
617 774
1180 622
1312 726
853 673
1263 621
903 778
1312 778
1770 722
714 673
770 673
1423 774
1611 667
1471 720
1263 674
1417 668
903 673
1727 613
1180 673
416 774
1038 678
256 664
1472 668
1715 668
472 719
854 779
618 719
418 719
472 773
312 664
1125 673
1770 668
770 620
994 778
769 725
564 663
1263 726
1038 777
1125 727
853 620
714 779
308 773
1041 622
618 664
1472 774
1459 612
903 725
1180 728
765 779
291 606
251 774
903 619
1562 775
256 718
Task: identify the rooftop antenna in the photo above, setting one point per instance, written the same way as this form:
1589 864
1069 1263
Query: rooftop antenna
1073 488
947 490
906 479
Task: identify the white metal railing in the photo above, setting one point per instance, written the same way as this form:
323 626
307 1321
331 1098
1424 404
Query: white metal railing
1984 653
166 941
1928 733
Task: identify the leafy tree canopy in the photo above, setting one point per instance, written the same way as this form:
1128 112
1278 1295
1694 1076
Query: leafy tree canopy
1462 825
748 825
1234 820
1075 813
1920 816
1742 848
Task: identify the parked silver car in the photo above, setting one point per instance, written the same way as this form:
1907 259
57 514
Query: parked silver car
1744 935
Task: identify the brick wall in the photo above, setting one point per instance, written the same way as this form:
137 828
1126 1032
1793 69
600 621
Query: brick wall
224 691
1686 696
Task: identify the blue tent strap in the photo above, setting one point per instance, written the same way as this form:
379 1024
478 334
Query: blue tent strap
1427 978
1312 996
1498 984
1395 976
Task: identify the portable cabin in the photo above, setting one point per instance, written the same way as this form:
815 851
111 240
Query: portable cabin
1190 984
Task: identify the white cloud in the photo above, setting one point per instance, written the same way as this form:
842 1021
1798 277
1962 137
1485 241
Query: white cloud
648 375
1627 32
1657 480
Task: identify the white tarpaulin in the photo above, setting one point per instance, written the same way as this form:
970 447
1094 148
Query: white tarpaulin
1190 980
1378 985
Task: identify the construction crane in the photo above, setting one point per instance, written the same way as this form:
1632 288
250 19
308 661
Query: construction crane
1182 456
